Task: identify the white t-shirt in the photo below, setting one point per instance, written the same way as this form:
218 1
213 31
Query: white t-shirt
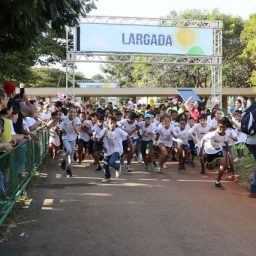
213 123
231 132
165 136
30 121
126 126
146 132
83 134
96 130
112 142
182 136
155 125
175 126
69 132
199 132
214 142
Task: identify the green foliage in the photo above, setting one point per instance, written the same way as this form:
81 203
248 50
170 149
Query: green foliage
23 21
50 77
248 37
33 32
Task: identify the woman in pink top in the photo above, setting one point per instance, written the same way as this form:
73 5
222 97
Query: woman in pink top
195 109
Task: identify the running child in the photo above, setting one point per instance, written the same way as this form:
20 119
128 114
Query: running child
164 138
211 148
112 142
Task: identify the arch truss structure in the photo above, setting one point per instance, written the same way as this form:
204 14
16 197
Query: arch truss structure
214 60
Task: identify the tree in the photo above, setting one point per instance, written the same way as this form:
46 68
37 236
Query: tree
248 37
33 32
23 21
50 77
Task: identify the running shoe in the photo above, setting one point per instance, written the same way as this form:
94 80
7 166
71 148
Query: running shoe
128 168
68 173
105 181
99 168
219 186
159 169
164 166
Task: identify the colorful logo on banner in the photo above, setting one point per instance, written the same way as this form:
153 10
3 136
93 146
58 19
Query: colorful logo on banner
188 38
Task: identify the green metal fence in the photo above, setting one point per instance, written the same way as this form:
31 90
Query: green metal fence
17 167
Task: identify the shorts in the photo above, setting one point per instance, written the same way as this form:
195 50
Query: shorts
146 145
88 145
225 151
213 157
240 145
97 146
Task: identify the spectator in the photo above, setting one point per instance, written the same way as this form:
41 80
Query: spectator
195 109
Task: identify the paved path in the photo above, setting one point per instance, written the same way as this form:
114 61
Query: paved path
141 214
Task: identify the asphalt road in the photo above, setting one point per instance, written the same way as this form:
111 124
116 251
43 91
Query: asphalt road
151 214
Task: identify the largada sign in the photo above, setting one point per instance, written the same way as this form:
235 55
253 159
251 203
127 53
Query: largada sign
145 39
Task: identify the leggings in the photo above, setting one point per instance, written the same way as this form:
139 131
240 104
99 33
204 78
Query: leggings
70 149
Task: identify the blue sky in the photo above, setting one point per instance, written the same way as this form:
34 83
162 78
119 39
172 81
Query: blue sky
161 8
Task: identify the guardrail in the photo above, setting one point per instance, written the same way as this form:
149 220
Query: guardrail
17 168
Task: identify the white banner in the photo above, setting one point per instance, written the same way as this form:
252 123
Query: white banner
145 39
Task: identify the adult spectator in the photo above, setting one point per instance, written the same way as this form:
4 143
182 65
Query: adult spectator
195 109
251 145
4 146
20 103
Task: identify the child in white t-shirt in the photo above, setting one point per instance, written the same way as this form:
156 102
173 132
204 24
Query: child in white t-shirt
197 132
182 143
147 136
164 140
211 148
113 147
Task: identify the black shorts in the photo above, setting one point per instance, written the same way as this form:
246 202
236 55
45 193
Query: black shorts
97 146
212 157
88 145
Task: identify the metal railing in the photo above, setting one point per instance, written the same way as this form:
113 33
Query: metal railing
17 168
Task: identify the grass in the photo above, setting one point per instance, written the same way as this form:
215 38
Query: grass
245 168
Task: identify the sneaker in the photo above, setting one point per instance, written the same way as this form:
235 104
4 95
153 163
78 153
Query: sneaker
68 173
152 166
147 168
164 166
181 167
202 172
219 186
154 163
128 168
118 174
99 168
63 166
159 169
233 177
105 181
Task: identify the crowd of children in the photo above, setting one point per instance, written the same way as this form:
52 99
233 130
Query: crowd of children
114 135
110 136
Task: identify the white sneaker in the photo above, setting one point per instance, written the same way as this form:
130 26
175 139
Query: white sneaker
164 166
105 181
118 173
159 169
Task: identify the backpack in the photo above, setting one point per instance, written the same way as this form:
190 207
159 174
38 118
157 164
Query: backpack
248 120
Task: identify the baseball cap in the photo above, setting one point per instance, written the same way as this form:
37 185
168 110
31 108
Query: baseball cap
148 115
